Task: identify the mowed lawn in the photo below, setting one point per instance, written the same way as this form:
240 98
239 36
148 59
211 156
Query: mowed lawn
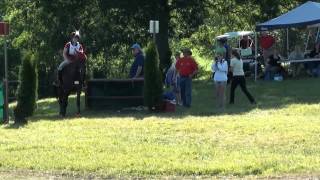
278 137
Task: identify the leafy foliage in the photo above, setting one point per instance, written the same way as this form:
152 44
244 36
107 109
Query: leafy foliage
28 87
108 28
153 88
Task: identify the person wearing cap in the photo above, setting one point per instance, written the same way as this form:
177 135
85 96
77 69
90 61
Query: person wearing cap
72 51
136 69
187 68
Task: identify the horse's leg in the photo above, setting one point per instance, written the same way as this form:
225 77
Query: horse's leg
63 103
66 96
60 106
61 100
78 100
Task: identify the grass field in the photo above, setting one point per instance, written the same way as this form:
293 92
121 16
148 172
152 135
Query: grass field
278 137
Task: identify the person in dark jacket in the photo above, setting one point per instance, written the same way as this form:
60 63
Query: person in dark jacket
136 70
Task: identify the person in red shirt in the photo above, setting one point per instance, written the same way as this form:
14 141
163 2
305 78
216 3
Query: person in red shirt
266 42
187 68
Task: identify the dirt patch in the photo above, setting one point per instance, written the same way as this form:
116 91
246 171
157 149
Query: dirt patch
35 175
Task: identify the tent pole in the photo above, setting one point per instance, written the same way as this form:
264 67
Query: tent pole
307 43
255 56
288 43
317 34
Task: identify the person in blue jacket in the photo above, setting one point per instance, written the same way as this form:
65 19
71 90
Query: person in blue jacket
136 70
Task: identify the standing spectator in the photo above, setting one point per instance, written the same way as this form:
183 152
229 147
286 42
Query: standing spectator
266 42
246 42
136 69
220 69
246 46
223 43
173 79
187 68
236 67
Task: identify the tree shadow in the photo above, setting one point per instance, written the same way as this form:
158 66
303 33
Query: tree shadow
269 95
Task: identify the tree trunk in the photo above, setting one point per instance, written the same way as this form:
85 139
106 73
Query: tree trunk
163 35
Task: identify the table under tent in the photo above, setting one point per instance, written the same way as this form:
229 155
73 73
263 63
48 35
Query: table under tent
305 16
247 54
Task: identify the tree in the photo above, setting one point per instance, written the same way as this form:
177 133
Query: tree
28 88
153 88
109 27
186 15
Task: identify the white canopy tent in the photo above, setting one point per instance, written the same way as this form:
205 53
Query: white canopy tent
308 14
236 34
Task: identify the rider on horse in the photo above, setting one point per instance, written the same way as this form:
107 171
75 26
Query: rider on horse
73 51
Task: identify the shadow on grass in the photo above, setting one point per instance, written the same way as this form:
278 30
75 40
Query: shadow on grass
15 126
269 95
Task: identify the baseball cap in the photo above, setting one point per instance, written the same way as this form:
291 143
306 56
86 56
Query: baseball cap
136 46
187 50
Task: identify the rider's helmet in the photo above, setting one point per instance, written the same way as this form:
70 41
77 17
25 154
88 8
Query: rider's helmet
75 34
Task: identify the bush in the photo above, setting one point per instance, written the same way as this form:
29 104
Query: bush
27 89
153 87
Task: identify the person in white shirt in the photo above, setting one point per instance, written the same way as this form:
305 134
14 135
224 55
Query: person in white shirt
72 51
220 69
236 67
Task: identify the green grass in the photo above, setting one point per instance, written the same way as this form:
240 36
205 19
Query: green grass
279 136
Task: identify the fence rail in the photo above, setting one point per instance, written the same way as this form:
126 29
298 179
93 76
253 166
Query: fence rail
43 90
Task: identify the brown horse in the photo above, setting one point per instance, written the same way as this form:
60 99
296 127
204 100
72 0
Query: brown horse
72 81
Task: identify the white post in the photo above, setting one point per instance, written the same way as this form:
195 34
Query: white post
255 56
154 28
154 32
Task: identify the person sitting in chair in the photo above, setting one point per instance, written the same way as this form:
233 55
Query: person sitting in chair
297 54
273 66
72 51
312 66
